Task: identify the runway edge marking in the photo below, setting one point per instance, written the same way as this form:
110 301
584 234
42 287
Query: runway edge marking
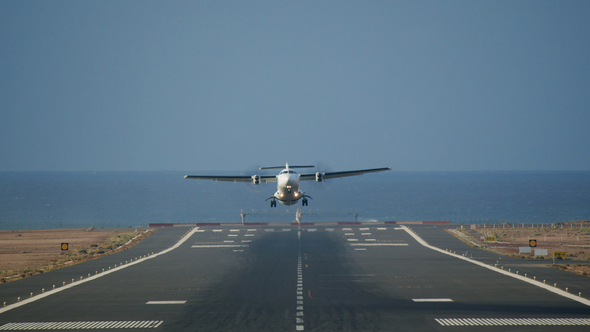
57 290
504 272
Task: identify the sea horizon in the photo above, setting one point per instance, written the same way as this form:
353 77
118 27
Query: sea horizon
81 199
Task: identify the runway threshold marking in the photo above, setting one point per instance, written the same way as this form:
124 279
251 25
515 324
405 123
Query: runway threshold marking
504 272
512 321
94 325
96 276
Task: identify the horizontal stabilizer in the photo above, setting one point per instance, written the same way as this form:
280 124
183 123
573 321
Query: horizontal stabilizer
282 167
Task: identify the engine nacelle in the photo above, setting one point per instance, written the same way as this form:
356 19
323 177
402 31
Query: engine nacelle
255 179
319 177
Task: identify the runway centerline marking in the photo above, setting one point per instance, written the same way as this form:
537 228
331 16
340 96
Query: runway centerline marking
504 272
299 322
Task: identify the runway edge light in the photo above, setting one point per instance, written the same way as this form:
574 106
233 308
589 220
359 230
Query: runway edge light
65 246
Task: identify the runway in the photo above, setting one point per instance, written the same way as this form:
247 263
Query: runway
279 277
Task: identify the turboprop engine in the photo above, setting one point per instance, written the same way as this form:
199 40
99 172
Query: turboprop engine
319 177
255 179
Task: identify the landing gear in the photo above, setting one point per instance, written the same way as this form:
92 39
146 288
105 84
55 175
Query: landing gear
304 202
273 203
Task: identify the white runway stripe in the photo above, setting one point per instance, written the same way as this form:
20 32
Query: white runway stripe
90 325
512 321
166 302
432 300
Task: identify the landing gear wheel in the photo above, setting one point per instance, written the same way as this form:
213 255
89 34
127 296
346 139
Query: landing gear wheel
273 203
304 202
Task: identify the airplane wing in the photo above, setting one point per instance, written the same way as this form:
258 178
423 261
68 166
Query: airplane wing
332 175
231 178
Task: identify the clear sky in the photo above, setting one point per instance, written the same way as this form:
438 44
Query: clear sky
232 85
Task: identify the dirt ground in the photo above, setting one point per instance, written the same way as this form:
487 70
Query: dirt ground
573 238
28 252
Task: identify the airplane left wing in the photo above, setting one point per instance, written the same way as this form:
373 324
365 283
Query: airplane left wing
230 178
332 175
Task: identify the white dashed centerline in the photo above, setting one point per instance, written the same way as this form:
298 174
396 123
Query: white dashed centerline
299 292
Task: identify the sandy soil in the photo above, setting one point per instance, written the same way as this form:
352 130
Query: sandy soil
572 238
28 252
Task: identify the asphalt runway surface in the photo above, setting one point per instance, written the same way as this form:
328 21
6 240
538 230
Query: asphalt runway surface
325 277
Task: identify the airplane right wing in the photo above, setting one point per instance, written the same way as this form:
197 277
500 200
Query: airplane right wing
332 175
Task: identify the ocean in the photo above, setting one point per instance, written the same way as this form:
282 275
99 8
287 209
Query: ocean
46 200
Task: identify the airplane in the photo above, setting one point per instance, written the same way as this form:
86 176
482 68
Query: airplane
287 180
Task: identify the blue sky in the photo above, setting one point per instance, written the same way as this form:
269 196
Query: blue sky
233 85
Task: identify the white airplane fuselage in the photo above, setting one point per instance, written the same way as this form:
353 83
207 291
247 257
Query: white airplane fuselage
288 192
288 187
